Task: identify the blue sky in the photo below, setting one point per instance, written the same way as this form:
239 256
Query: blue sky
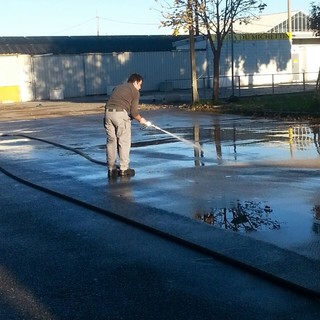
79 17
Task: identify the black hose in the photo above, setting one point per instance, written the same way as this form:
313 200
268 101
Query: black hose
82 154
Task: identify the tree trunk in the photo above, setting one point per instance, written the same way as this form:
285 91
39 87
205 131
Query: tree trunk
216 79
194 85
318 88
195 95
216 70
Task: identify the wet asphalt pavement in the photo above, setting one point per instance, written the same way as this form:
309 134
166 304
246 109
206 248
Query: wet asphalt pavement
75 245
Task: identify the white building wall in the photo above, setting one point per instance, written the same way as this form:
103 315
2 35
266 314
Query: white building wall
256 61
25 77
15 78
9 70
308 60
9 79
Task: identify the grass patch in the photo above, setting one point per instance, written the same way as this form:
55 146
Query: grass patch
296 104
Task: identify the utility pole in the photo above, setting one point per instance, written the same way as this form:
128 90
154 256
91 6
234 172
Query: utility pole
289 17
232 51
97 17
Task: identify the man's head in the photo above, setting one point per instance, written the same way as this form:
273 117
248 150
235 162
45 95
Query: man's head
136 79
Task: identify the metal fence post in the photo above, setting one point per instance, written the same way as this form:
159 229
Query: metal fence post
272 83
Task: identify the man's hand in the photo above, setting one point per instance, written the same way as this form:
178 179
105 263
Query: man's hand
143 121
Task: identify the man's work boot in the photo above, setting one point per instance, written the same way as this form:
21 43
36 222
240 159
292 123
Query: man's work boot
128 173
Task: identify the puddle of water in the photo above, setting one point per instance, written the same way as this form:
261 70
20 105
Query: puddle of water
246 216
291 193
236 143
193 177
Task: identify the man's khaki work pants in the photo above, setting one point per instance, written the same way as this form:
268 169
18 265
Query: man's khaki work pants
118 129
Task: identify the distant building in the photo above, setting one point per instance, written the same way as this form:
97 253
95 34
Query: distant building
265 52
277 23
39 68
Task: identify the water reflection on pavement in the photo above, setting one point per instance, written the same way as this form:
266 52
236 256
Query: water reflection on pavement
255 176
239 161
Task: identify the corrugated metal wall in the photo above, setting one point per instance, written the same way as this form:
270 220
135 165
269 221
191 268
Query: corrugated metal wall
103 70
65 72
92 74
26 78
41 77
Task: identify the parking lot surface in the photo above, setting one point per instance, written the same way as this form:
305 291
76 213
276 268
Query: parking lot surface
241 192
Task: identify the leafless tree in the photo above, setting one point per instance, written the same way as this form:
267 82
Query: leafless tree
213 18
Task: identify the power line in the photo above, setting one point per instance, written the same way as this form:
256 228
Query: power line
76 26
98 18
129 22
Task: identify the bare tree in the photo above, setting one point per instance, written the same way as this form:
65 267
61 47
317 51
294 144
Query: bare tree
214 19
194 85
314 18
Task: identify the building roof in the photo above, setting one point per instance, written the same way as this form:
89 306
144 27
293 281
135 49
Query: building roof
109 44
86 44
275 23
